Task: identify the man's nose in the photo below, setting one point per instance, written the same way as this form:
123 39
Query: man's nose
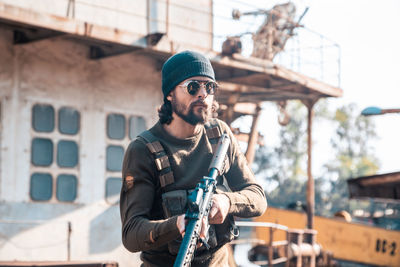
202 93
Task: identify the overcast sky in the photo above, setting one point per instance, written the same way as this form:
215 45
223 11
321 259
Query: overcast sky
368 34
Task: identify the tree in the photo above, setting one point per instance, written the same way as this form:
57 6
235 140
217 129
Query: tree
353 154
284 165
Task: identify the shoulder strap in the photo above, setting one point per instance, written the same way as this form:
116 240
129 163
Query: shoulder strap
161 159
213 132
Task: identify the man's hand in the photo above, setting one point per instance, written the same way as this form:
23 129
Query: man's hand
181 224
219 209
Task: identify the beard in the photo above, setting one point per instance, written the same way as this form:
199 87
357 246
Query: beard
188 114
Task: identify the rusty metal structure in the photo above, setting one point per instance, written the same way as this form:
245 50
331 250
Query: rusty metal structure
348 241
268 41
297 248
381 186
277 28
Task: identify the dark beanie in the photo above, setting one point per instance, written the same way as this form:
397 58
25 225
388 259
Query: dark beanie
182 66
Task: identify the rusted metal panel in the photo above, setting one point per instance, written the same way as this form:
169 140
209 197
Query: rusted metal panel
347 241
381 186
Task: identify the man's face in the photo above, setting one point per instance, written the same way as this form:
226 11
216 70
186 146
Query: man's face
193 109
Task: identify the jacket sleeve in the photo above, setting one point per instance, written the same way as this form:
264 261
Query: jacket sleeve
139 230
247 198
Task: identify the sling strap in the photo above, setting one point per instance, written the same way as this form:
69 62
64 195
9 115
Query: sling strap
213 133
161 160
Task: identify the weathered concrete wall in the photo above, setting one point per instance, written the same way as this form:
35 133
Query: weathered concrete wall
187 24
57 72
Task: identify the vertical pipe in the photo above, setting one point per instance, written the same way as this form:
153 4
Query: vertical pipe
148 16
212 25
69 241
167 19
270 248
299 256
310 181
253 136
288 238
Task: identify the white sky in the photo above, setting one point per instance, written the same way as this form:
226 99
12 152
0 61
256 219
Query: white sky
368 34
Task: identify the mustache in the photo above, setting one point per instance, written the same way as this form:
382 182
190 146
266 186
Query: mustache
199 103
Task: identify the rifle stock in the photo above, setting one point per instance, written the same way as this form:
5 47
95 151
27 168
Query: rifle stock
199 204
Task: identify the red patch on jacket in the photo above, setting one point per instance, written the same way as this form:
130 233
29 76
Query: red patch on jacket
128 182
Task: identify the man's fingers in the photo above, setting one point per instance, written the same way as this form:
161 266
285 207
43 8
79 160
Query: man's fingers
181 224
219 209
213 212
203 232
204 228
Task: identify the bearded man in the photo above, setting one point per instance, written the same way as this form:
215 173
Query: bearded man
163 164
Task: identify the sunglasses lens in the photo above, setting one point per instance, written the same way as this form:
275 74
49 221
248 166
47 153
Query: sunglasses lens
211 87
193 87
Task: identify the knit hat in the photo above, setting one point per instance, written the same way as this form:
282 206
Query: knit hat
182 66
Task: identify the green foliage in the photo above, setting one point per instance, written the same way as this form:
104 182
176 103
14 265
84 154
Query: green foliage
284 166
353 155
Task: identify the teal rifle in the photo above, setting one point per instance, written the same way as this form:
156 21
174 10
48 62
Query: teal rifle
199 204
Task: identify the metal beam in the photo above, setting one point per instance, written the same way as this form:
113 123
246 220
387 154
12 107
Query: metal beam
25 36
100 52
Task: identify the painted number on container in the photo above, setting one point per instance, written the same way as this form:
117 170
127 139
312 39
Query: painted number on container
384 246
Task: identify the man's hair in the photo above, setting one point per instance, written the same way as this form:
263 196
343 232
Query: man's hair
165 111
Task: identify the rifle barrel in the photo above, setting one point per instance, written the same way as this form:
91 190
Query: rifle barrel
192 229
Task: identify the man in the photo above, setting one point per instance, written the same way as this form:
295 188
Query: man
164 163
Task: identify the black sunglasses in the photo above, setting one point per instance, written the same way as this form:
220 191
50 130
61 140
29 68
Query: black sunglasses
193 86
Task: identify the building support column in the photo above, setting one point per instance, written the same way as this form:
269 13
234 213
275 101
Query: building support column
253 136
310 180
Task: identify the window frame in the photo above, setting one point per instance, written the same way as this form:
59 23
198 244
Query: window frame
124 142
56 136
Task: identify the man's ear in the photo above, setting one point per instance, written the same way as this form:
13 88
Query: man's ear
169 97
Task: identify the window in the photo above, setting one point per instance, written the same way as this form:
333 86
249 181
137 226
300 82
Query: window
66 187
41 186
121 130
116 126
136 126
42 152
113 188
67 153
54 153
43 118
69 120
115 156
